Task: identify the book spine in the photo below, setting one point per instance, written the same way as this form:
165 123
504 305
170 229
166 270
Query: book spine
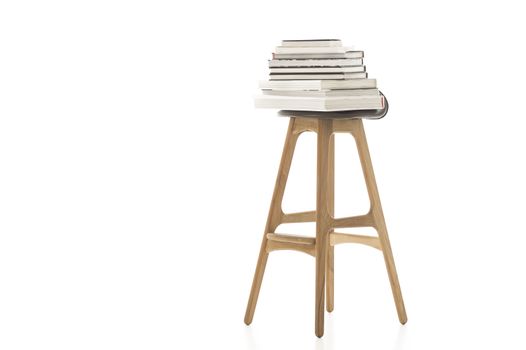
347 62
349 54
316 43
318 70
311 50
317 76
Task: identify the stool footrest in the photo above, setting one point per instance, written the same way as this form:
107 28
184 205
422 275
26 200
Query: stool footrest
276 241
338 238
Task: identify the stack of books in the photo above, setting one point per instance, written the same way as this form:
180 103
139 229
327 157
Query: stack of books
318 75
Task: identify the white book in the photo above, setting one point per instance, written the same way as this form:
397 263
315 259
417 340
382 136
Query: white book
318 84
314 76
312 42
312 50
325 104
347 54
323 93
316 62
299 70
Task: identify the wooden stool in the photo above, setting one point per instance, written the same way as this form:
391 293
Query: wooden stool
322 247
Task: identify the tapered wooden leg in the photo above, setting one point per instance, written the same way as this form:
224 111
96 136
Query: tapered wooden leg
378 216
273 219
322 220
330 249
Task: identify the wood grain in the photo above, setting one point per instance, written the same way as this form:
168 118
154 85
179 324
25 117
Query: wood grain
330 248
378 217
339 238
322 220
322 246
306 216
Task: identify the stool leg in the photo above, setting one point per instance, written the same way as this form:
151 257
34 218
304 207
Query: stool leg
378 216
273 219
330 249
322 219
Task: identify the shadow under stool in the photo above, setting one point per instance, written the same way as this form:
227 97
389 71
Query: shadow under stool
325 124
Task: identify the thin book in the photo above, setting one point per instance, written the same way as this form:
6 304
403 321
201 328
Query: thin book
325 104
319 70
314 76
312 42
346 62
314 50
318 85
322 93
347 54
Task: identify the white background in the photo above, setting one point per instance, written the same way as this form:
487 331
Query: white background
135 176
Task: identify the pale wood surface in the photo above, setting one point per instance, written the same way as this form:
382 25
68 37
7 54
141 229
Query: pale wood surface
378 217
338 238
323 219
279 237
330 248
322 246
284 245
354 221
278 241
306 216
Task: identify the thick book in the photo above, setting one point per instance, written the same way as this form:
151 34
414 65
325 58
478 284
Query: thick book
319 70
318 84
323 93
347 54
324 104
314 76
313 50
312 42
316 62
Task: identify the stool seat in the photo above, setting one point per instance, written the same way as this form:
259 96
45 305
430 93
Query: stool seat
354 114
325 125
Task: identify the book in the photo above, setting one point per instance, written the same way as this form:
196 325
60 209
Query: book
312 42
322 93
347 54
300 50
325 104
319 70
314 76
315 62
318 84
